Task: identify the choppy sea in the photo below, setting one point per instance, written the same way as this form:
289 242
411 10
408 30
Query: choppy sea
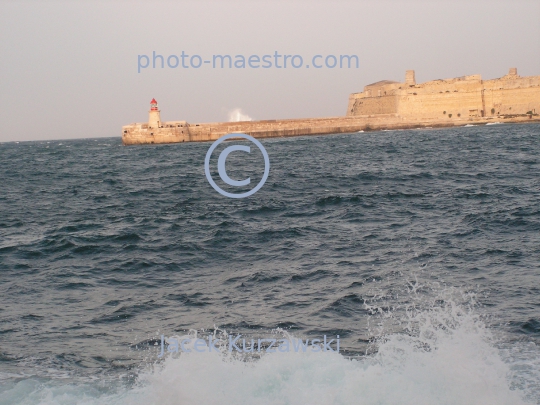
419 248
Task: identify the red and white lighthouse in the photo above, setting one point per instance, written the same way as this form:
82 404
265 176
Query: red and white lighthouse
154 120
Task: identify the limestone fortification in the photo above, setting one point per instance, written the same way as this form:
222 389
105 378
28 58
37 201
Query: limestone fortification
463 97
382 105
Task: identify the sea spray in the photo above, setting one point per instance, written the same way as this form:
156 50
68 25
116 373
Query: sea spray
238 115
445 354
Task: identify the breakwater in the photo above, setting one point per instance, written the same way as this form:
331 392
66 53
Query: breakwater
382 105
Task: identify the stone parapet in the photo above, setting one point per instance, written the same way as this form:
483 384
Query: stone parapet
287 128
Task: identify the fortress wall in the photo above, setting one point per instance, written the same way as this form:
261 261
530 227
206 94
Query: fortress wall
445 87
512 95
421 101
510 82
350 110
438 106
507 95
512 101
521 100
374 105
469 96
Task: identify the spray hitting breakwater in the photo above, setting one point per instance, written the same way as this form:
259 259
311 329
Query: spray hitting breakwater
237 115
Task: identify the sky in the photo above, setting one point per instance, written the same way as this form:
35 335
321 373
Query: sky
69 69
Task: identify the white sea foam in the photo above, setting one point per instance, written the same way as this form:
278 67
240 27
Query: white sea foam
443 355
237 115
441 365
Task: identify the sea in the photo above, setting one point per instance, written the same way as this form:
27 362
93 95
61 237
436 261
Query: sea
420 249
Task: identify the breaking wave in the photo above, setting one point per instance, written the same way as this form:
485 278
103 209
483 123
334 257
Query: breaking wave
443 354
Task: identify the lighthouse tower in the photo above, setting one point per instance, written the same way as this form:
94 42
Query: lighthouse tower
154 121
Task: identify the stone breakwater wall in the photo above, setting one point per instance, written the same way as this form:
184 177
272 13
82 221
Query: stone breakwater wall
138 134
382 105
181 131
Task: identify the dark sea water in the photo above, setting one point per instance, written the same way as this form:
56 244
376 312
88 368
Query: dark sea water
420 249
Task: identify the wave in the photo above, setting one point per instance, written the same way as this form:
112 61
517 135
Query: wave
443 354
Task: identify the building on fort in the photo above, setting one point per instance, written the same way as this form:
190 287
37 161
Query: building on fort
382 105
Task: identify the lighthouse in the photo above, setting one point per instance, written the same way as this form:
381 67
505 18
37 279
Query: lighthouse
154 121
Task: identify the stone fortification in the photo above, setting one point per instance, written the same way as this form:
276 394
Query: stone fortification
382 105
450 99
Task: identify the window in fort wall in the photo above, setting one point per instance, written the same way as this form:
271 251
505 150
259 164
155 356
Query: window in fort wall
473 113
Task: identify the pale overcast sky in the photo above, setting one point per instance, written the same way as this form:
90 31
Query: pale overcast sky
68 69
